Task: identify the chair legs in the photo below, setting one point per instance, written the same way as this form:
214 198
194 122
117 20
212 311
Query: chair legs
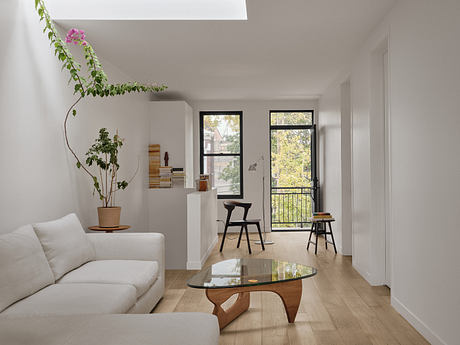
245 229
247 238
332 236
223 237
239 237
315 227
311 233
260 236
325 236
316 235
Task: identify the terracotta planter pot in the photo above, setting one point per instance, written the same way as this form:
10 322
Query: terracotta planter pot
109 217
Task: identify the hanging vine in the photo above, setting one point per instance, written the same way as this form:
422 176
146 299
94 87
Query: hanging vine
94 84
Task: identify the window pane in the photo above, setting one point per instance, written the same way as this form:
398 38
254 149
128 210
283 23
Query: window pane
291 118
291 158
221 133
224 173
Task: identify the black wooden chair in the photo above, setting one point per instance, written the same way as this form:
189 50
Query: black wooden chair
243 223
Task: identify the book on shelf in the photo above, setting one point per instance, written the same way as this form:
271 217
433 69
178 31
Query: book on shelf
154 166
165 177
165 171
178 174
165 182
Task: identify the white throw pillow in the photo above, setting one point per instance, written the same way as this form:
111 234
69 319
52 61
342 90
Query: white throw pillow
65 244
23 266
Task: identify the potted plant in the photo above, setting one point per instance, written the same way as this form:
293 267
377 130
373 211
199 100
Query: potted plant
104 152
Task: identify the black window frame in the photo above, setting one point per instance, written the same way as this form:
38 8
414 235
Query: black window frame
240 154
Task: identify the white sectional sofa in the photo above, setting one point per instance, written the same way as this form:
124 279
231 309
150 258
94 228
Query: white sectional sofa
55 271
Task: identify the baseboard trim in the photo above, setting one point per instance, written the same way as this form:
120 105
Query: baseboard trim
198 265
366 275
208 252
193 265
418 324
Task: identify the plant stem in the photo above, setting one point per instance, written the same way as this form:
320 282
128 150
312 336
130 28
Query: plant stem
67 137
132 177
102 185
106 183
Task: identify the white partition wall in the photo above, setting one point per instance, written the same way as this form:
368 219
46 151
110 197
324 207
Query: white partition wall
187 218
171 126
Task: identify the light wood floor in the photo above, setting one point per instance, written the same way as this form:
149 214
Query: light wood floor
338 306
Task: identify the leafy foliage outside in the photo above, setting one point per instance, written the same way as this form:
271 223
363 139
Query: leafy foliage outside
223 132
95 83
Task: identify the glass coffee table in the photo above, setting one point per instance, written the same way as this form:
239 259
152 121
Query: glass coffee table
241 276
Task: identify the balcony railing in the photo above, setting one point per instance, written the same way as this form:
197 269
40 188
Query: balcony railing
292 208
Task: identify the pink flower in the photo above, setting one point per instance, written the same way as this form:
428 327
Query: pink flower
77 37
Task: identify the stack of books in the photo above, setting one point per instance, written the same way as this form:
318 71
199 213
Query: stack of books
178 176
178 173
321 216
165 177
154 166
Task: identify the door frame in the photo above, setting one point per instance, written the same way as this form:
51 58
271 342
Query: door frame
315 181
380 172
387 163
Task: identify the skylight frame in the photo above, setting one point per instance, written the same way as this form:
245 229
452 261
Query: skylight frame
142 10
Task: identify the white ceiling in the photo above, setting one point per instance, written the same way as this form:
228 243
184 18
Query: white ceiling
291 49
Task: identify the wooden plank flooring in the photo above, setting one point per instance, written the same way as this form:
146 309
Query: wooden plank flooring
338 306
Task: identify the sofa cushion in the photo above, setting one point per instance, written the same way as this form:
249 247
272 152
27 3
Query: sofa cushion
23 266
140 274
71 299
152 329
65 244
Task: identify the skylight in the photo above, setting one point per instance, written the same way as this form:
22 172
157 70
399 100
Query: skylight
147 9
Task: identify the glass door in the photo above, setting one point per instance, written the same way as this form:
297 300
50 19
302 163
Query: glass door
293 170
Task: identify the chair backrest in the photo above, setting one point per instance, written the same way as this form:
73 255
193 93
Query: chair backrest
230 206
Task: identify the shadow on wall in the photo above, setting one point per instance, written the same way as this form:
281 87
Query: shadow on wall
10 22
31 140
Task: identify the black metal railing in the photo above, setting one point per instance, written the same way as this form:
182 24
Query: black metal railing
292 208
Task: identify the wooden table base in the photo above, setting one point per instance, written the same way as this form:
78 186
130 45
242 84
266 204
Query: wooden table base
290 293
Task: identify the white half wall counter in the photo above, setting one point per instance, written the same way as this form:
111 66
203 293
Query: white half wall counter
188 220
201 227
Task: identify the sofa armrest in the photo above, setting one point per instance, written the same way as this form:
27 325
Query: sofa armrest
134 246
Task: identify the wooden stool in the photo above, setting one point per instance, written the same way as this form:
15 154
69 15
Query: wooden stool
316 229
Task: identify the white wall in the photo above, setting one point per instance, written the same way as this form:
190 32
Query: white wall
39 177
329 158
424 123
34 175
367 156
255 144
425 167
335 160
